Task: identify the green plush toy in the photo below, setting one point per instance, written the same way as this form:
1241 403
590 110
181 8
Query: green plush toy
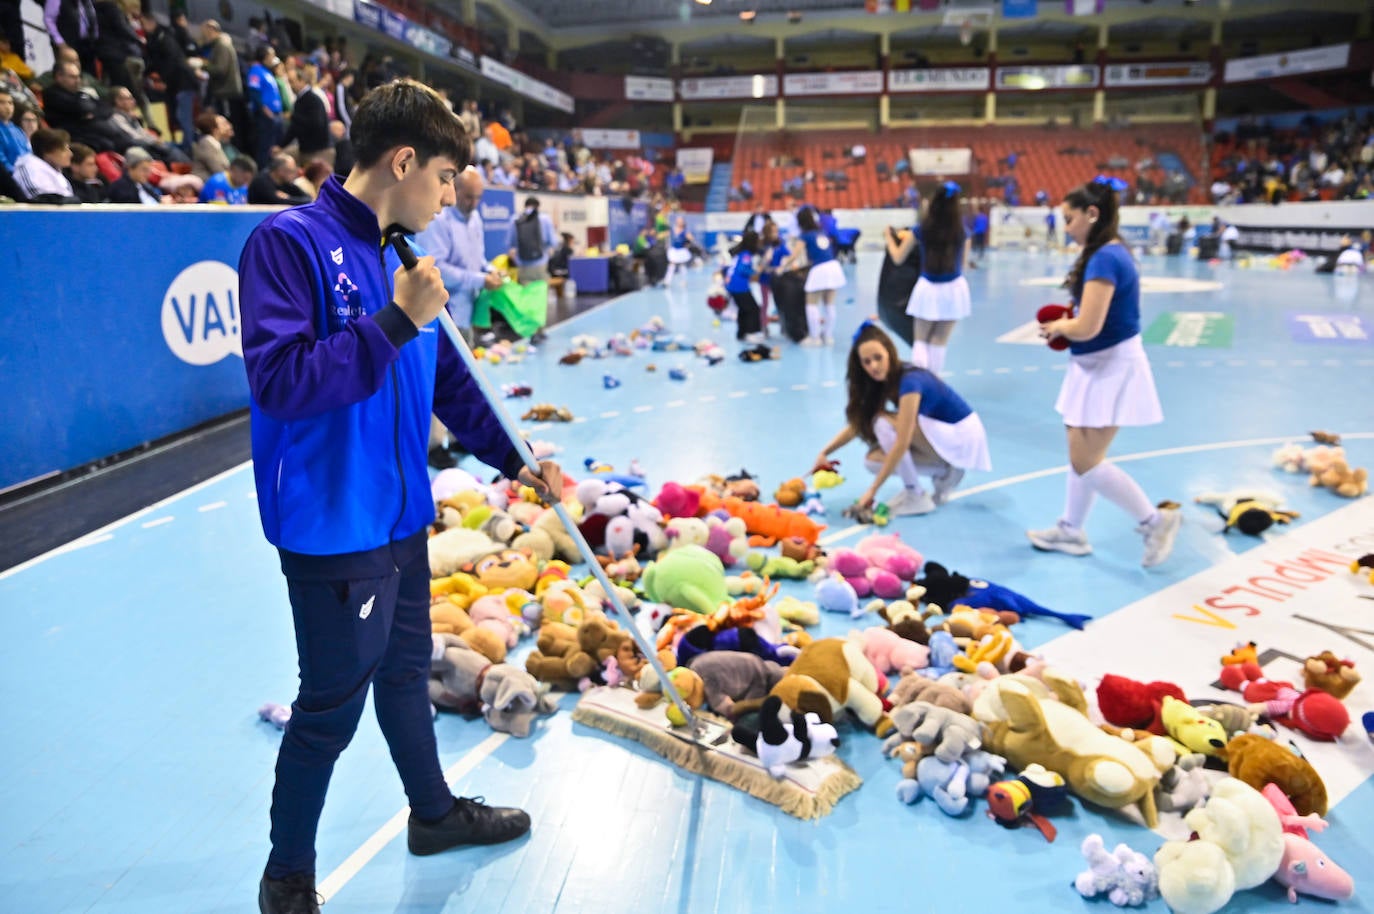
778 566
688 577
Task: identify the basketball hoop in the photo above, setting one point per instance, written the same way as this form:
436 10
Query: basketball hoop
966 32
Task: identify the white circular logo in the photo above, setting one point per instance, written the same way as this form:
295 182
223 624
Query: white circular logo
822 243
200 313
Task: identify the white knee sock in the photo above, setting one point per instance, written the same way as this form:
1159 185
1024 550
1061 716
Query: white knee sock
1116 485
813 321
886 434
1079 496
920 354
668 277
828 320
936 357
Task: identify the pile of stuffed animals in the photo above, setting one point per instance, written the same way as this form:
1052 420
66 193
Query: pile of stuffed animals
1325 465
932 667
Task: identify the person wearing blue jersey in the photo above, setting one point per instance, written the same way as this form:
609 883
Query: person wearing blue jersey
345 364
774 252
913 423
743 271
823 277
679 249
1108 383
941 297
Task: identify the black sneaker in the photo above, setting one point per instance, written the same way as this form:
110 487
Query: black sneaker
470 821
294 894
441 458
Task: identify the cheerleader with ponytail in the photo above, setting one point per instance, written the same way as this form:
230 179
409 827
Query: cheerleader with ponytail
1108 383
941 297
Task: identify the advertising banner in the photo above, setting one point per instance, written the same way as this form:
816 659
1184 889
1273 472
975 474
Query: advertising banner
728 87
948 79
857 82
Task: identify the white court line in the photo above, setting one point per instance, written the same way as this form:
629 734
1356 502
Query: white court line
737 394
114 525
610 414
801 386
768 390
674 404
159 522
643 409
397 823
212 506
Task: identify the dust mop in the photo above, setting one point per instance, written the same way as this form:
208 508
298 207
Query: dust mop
703 744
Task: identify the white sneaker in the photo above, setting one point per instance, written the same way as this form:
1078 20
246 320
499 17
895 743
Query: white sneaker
1060 538
945 483
1160 535
811 342
827 340
910 501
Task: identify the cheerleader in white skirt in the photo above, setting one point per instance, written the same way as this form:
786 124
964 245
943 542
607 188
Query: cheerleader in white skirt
913 423
941 297
822 280
1108 383
679 249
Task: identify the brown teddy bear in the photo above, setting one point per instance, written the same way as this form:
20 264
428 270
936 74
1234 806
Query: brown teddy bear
567 655
1331 674
1258 761
1341 479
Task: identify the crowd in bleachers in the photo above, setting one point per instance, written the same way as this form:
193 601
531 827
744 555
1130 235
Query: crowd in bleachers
264 126
1331 160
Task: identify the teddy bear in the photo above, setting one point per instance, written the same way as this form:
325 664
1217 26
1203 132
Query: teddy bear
952 784
1331 674
931 691
890 652
508 698
1238 845
1341 479
547 539
690 577
831 674
566 655
1098 768
1288 458
888 552
505 569
1127 877
1258 761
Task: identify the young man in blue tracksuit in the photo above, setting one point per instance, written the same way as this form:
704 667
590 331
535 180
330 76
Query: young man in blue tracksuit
345 365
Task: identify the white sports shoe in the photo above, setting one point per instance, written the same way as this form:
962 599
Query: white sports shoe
945 483
1060 538
910 501
811 342
1160 535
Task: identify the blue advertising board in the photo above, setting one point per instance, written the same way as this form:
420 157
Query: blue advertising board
624 222
100 353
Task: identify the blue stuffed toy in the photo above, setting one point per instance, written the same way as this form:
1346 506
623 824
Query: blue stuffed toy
948 589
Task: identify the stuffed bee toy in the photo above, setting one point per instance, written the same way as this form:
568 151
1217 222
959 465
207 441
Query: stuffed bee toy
1247 510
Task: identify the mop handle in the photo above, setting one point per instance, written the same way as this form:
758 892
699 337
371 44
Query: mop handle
409 260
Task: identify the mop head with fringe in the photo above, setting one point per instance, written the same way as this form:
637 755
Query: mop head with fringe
807 791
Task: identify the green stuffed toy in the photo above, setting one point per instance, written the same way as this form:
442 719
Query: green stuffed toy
688 577
779 566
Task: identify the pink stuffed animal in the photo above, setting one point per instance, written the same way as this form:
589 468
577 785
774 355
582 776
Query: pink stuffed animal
492 612
888 552
728 539
866 578
675 501
889 652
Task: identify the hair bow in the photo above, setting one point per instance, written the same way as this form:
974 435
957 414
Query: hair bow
951 188
1115 184
868 322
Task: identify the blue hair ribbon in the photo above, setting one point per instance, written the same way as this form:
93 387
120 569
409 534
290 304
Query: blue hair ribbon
951 188
1115 184
868 322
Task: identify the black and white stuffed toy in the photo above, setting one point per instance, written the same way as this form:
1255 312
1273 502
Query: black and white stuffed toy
785 736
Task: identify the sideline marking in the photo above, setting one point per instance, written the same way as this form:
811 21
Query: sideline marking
98 536
397 823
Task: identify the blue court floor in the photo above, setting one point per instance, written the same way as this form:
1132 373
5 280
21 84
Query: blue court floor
138 776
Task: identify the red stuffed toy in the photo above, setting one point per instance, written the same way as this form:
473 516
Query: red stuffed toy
1313 712
1054 313
1128 703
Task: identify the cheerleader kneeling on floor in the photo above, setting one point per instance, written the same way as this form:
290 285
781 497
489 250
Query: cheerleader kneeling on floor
1108 383
823 279
913 423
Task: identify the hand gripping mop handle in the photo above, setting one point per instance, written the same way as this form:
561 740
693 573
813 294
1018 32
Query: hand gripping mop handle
409 260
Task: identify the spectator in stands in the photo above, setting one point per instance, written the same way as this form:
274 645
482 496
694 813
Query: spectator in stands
309 127
13 141
230 187
135 132
9 60
858 153
264 99
167 57
223 79
208 156
456 241
135 185
119 48
73 24
484 151
471 120
28 122
69 106
941 296
39 173
275 185
84 174
531 240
